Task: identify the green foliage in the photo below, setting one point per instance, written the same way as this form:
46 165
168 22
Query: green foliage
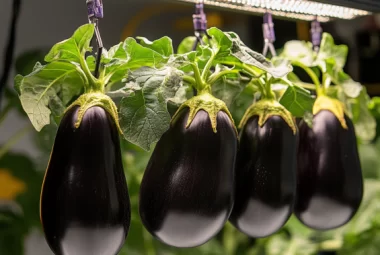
148 81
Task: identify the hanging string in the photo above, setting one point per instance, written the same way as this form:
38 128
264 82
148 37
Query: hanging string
9 49
268 34
95 13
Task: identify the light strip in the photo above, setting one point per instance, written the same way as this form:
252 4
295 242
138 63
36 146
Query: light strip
296 9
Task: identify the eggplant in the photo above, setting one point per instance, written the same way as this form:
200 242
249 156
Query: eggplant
186 194
265 176
329 176
84 206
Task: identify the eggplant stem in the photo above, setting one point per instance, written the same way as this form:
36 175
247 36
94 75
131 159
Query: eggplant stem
312 75
214 77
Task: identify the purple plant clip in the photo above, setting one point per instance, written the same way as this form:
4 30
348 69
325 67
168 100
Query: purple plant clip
268 28
95 9
95 12
316 34
269 35
199 18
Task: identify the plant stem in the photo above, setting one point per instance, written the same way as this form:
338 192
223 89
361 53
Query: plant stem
262 88
244 67
5 111
269 92
92 83
305 85
326 81
312 75
214 77
189 79
208 66
14 139
198 79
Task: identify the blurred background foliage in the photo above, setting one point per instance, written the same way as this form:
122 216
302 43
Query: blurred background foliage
21 179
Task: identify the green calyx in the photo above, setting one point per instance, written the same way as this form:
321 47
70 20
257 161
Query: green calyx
330 104
207 102
88 100
265 109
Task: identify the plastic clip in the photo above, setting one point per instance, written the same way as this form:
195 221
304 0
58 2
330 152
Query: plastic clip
94 9
95 12
269 34
316 34
200 23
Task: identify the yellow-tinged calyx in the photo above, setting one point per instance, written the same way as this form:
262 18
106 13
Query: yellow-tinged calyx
208 103
10 186
264 109
332 105
88 100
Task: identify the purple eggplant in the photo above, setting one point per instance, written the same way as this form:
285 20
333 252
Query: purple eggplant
85 206
186 193
329 178
265 176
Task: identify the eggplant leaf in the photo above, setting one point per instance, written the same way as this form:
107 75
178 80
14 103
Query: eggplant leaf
48 90
247 56
73 48
335 54
131 55
297 100
299 51
143 115
228 87
162 46
186 45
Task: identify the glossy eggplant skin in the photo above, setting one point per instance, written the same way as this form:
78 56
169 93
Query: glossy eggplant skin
186 195
85 206
329 176
265 177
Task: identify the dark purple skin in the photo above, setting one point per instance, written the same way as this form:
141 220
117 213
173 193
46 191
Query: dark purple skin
85 205
329 178
186 193
265 177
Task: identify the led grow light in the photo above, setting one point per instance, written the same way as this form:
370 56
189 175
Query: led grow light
297 9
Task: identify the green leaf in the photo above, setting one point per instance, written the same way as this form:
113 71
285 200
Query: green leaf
247 56
186 45
162 46
143 115
297 100
48 90
131 55
139 56
361 234
374 106
73 48
221 42
365 123
242 102
337 54
229 88
299 51
351 88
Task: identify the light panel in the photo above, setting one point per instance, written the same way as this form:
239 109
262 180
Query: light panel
296 9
